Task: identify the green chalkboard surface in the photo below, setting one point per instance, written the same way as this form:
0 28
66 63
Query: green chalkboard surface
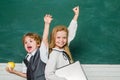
98 36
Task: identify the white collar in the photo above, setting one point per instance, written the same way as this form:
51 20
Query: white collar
33 53
58 49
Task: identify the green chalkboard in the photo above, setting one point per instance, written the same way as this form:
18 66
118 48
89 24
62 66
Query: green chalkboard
98 36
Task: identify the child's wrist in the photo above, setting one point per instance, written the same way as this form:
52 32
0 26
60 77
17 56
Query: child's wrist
76 14
47 23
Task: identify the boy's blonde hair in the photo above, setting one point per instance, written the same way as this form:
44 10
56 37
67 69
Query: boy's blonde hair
34 36
52 39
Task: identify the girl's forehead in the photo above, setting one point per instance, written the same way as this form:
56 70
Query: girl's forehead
61 33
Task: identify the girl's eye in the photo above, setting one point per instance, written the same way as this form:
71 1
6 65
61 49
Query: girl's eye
58 37
64 37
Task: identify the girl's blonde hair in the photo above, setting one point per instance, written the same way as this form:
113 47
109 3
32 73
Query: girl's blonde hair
52 40
34 36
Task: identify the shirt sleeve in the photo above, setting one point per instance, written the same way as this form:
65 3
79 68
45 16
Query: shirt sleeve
44 52
72 30
51 67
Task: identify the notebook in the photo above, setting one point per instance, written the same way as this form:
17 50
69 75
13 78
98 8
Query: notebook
73 71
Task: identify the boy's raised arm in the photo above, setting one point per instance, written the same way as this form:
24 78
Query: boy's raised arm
47 21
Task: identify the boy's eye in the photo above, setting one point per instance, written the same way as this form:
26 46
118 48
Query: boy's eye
30 41
25 42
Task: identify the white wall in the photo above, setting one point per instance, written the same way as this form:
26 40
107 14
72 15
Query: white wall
102 72
93 72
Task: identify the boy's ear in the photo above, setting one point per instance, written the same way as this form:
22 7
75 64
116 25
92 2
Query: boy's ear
38 45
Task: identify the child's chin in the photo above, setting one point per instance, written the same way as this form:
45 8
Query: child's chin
29 51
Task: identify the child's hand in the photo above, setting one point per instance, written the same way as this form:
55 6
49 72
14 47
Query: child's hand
76 10
10 70
48 18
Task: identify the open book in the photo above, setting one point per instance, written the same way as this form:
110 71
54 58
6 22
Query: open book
73 71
